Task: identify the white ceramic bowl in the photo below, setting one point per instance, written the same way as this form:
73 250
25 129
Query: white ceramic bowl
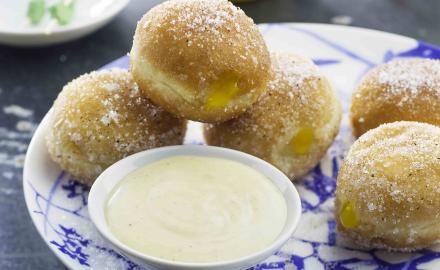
88 17
109 178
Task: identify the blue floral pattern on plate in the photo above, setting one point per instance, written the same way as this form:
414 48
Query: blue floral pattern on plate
60 212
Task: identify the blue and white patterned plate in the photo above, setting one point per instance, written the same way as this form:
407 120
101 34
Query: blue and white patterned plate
58 203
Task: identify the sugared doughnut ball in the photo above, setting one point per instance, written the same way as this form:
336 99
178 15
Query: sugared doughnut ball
405 89
388 188
101 117
203 60
293 122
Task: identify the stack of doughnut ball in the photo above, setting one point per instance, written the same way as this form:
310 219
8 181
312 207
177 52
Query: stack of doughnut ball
201 60
205 60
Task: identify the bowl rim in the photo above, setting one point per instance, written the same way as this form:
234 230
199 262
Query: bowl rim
208 151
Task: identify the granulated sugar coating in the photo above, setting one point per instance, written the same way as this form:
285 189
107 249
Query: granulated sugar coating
403 89
100 118
293 122
388 188
204 60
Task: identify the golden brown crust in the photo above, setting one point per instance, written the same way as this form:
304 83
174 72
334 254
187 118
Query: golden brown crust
182 47
391 177
405 89
100 118
298 98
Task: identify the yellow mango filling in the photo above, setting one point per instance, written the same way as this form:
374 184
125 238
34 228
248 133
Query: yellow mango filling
302 141
347 216
223 91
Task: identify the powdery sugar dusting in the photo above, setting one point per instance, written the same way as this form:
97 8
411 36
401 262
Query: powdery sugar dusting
198 16
294 71
105 116
206 24
410 76
123 97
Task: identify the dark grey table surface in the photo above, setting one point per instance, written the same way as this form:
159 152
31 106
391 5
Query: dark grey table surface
31 79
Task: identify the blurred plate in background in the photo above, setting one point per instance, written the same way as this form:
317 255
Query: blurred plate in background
16 28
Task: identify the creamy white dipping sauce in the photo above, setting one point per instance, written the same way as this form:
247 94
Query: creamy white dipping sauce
196 209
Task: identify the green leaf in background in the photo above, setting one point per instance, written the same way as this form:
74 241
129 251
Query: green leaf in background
62 11
36 10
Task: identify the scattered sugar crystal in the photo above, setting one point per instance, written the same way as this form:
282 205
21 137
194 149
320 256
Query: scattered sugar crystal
17 111
75 137
111 87
371 206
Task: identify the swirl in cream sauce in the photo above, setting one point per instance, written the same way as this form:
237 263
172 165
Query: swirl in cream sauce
196 209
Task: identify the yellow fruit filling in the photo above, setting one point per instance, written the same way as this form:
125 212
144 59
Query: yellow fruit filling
222 91
302 141
347 216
